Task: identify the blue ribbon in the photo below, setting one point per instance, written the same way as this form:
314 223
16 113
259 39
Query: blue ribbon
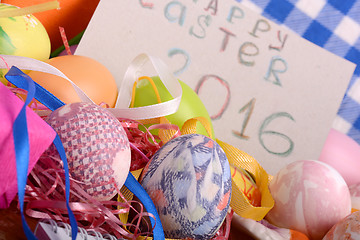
22 151
135 187
15 76
41 94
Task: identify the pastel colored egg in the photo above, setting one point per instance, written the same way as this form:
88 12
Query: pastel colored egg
347 228
88 74
96 146
342 153
190 106
73 16
189 182
23 36
310 197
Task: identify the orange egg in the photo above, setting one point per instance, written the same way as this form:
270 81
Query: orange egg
88 74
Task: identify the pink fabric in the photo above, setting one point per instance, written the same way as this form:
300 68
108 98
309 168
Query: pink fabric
41 136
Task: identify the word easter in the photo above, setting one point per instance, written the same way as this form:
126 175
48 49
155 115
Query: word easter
261 84
176 12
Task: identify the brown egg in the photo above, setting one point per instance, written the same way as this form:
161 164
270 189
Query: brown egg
88 74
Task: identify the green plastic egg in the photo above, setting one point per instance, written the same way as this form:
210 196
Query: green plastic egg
190 106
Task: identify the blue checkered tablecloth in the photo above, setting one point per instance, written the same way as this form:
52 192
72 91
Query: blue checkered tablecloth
333 25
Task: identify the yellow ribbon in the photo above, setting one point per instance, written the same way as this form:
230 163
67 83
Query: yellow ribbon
239 202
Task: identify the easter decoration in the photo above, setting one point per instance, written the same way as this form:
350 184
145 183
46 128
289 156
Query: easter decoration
23 35
103 149
190 105
189 181
96 145
310 197
342 153
63 17
250 197
219 223
191 184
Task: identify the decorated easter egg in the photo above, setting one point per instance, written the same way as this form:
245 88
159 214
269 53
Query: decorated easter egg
310 197
347 228
190 105
96 146
88 74
23 36
189 181
73 16
342 153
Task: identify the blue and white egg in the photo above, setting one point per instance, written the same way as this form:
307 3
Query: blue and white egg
189 181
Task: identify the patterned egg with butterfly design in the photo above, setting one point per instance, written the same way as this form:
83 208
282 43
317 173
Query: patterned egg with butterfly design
189 181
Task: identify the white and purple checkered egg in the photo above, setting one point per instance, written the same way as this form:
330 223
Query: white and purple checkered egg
96 146
189 181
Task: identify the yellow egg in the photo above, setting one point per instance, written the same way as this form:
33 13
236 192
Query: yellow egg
91 76
23 36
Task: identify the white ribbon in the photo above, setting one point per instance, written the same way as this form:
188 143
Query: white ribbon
123 101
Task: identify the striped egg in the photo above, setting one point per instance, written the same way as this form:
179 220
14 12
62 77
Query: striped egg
96 146
189 182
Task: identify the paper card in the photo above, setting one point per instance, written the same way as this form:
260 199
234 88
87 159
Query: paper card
269 92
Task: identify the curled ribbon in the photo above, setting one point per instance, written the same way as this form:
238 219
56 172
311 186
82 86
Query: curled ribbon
121 109
239 202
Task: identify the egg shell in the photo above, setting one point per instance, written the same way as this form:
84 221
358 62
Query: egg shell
347 228
189 182
23 36
96 146
190 105
73 16
342 153
88 74
310 197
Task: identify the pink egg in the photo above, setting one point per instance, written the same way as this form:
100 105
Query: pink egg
347 228
342 153
310 197
96 147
